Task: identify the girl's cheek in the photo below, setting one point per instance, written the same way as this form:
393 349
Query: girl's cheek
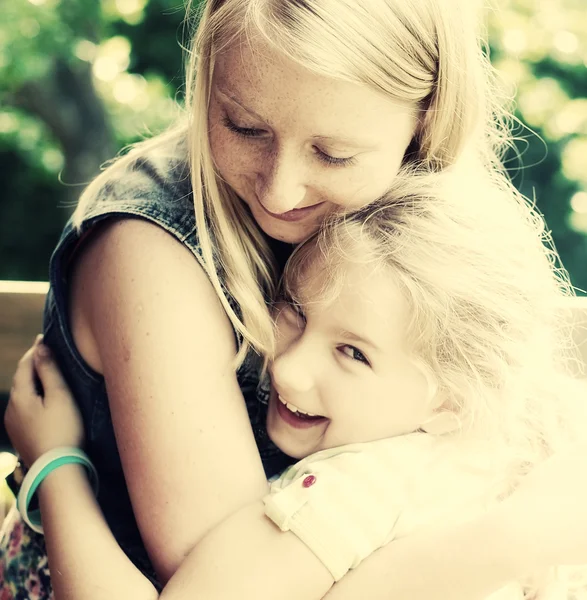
284 338
287 332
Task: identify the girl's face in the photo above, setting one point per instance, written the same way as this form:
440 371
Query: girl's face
295 145
347 362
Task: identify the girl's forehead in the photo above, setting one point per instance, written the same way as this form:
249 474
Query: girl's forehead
361 299
324 278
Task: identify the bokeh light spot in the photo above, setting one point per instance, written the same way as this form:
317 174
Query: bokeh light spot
30 28
8 123
579 202
53 159
113 58
566 42
86 50
514 41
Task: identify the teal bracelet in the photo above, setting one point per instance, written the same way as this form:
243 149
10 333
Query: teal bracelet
39 470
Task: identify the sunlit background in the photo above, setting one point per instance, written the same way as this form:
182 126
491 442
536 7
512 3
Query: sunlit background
79 79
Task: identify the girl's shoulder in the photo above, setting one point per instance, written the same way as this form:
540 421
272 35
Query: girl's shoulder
151 181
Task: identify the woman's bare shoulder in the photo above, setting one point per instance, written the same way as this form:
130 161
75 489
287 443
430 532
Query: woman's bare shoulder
132 261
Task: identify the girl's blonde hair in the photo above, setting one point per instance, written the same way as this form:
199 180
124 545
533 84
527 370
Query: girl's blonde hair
426 52
488 319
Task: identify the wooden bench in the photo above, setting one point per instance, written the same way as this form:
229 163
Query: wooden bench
21 319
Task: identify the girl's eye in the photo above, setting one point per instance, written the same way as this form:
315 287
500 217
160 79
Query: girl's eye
332 160
354 354
249 132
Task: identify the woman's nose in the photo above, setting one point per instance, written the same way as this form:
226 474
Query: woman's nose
280 185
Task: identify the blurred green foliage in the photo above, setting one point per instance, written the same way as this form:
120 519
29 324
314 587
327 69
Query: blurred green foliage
79 79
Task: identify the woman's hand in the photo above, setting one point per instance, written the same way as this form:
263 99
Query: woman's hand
37 421
548 511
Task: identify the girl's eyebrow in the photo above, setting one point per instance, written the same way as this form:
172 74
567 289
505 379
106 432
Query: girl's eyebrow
353 337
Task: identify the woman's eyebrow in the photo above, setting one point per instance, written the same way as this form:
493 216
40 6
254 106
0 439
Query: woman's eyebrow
347 142
363 145
232 98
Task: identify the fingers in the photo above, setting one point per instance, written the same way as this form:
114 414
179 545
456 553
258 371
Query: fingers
47 370
23 394
24 377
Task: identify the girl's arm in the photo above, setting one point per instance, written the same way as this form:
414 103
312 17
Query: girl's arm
146 316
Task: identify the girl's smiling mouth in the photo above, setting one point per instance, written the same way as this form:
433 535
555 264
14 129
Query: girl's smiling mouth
295 416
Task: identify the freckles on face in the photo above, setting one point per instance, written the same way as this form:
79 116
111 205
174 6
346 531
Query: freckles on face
295 145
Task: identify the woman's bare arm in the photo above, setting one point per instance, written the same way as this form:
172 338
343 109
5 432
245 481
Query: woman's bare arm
146 315
84 557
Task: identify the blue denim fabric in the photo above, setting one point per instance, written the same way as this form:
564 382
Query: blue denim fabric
160 194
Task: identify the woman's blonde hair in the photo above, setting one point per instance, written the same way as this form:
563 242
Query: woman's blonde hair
488 319
426 52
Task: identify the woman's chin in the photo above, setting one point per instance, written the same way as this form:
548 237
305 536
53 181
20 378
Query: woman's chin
290 233
290 230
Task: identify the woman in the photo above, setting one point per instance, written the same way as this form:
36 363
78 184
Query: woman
294 110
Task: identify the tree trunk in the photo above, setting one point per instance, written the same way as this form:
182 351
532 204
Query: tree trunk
66 100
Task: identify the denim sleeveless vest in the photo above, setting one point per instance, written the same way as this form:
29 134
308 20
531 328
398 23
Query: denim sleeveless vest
156 188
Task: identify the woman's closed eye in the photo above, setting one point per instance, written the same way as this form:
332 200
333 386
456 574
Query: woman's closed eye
254 132
353 353
248 132
333 160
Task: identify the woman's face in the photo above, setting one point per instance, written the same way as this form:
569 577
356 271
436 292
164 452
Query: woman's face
295 145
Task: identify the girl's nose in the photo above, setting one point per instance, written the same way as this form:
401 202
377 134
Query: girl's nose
280 186
293 369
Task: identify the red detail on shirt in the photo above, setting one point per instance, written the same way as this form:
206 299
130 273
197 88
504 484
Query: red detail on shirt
308 481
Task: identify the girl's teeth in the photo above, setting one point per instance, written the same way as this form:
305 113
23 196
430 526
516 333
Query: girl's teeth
295 409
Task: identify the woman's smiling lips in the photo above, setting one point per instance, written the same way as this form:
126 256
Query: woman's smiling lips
296 214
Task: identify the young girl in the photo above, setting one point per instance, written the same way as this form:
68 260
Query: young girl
421 372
